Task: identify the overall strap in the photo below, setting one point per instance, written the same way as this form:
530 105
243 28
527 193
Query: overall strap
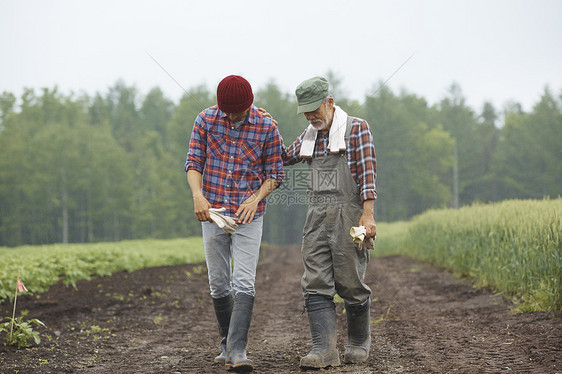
348 129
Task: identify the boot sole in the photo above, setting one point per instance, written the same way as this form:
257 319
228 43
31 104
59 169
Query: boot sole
241 368
354 361
332 361
321 366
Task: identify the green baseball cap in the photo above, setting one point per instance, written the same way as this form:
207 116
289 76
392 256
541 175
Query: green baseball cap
310 94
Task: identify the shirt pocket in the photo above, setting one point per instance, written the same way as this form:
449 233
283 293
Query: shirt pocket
216 145
251 152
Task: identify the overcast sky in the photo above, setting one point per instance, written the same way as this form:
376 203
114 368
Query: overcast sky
495 50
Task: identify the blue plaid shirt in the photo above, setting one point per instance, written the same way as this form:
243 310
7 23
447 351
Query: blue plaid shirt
235 160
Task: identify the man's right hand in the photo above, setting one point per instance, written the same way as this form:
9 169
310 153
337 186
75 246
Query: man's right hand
201 207
200 204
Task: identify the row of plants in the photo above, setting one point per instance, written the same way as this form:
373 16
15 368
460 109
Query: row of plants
42 266
513 247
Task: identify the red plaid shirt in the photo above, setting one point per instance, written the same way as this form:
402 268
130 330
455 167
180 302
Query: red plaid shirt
360 153
234 160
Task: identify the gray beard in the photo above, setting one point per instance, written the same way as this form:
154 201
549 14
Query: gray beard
322 126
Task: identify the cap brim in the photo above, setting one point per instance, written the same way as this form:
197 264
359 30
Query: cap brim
309 107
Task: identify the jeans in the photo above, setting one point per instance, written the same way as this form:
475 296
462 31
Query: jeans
232 259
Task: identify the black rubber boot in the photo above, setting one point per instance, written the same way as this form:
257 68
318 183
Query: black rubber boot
223 310
240 319
323 328
358 333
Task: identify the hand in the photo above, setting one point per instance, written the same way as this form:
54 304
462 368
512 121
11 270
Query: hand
368 221
201 208
247 210
266 114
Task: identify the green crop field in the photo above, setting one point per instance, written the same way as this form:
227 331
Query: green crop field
43 266
513 246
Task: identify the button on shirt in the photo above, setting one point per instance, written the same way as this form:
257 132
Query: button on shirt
234 158
360 152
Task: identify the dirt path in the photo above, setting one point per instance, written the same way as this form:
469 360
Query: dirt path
161 321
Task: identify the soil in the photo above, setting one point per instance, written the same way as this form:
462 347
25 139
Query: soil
161 320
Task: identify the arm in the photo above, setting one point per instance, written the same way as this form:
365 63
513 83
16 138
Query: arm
194 166
291 154
197 154
200 204
366 164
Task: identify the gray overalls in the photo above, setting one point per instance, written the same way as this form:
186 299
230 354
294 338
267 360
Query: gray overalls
332 262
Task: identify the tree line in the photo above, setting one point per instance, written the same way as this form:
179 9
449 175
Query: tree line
108 167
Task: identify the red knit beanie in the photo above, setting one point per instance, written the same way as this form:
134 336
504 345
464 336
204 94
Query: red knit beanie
234 94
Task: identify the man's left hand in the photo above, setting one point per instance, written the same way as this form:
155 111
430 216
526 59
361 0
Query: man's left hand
368 221
247 210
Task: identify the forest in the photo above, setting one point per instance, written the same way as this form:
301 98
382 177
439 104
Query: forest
79 168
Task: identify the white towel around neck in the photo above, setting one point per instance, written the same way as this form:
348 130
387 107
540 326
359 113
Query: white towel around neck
337 135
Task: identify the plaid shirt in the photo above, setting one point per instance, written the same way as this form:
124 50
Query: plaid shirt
234 160
360 153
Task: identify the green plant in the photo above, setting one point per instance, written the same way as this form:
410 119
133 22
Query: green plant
388 316
513 246
22 331
73 262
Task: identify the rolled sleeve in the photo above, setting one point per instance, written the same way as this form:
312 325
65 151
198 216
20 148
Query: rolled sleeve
196 155
291 154
273 162
364 160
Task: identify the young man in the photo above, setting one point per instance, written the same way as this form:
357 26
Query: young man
234 162
341 156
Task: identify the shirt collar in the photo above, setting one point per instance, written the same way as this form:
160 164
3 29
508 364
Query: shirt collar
252 118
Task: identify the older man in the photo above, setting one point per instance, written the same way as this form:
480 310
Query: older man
233 163
341 156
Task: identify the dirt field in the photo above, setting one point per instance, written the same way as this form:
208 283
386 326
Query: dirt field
161 320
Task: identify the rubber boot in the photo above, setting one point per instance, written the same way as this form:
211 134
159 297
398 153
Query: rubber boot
223 310
237 339
358 333
323 328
